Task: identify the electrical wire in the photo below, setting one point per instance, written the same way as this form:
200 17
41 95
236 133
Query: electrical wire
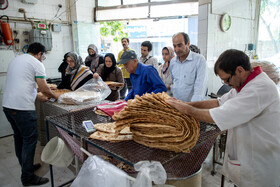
6 5
67 9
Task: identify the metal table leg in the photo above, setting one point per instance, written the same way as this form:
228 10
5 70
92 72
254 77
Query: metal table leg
48 139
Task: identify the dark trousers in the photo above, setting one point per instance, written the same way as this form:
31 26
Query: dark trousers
24 124
127 85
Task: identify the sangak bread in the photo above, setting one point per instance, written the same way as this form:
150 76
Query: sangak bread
61 91
117 84
99 135
100 112
154 123
79 97
110 128
57 92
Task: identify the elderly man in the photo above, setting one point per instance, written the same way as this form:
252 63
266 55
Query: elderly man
188 71
144 79
251 114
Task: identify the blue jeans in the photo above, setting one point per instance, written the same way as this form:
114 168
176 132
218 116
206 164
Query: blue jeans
24 124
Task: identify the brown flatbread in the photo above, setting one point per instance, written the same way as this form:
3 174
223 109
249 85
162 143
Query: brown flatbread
110 128
155 123
117 84
98 135
100 112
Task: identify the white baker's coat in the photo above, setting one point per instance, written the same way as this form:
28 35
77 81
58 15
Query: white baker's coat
252 118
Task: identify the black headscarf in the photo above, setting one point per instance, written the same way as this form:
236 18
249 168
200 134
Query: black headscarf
63 65
107 71
65 81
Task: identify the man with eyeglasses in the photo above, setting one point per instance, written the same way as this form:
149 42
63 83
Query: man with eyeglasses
20 92
251 114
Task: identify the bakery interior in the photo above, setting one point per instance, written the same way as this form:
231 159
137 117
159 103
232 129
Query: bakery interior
71 25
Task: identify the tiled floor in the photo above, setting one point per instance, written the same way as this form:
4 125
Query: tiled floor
10 169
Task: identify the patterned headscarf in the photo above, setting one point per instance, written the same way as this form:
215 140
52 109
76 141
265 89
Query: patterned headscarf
78 62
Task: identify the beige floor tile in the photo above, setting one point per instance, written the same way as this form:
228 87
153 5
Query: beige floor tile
10 169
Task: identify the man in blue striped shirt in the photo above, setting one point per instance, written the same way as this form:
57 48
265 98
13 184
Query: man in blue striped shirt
144 78
188 71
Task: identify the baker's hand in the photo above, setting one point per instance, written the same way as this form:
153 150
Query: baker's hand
179 105
42 98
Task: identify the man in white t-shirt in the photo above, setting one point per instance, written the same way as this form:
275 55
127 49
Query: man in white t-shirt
20 92
251 114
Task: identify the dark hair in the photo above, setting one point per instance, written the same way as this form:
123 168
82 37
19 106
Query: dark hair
194 48
185 35
36 48
107 71
126 39
230 59
147 44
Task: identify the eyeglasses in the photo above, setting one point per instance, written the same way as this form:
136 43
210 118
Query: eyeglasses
227 80
43 57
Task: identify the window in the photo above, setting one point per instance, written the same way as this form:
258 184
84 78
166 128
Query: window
116 10
269 31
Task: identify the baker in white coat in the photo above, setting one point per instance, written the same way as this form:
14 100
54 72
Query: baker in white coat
251 114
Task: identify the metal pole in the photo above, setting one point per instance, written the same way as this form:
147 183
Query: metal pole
48 139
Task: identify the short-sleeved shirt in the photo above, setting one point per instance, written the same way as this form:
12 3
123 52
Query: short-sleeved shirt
20 88
252 117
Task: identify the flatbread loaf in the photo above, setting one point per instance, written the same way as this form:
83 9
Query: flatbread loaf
99 135
100 112
110 128
154 123
79 97
117 84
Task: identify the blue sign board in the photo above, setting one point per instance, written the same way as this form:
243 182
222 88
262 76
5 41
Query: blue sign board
137 31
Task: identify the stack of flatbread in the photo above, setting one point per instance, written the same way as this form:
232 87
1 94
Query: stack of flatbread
107 132
154 123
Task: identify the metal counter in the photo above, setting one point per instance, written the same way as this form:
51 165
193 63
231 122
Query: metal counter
44 109
177 165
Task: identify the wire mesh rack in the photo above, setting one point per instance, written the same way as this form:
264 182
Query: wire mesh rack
177 165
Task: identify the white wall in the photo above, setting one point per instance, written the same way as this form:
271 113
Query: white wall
45 11
61 41
213 41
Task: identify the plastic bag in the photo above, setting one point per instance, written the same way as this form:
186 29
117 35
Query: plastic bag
148 172
94 90
97 172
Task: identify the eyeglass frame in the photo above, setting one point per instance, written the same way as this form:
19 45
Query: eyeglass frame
43 57
228 79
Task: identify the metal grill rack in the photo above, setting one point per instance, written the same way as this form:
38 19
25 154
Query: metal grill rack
177 165
44 109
